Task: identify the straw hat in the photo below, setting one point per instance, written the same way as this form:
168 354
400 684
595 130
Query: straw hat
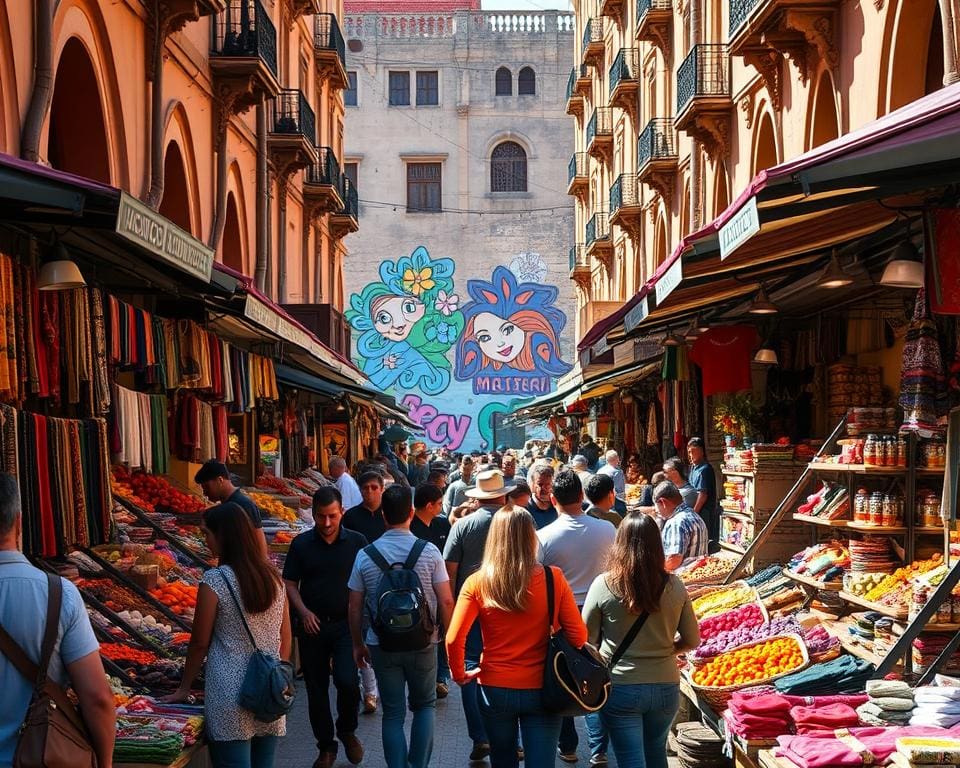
490 485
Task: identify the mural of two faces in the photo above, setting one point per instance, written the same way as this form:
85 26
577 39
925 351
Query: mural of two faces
505 340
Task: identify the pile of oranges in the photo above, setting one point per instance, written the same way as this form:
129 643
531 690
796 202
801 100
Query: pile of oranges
751 664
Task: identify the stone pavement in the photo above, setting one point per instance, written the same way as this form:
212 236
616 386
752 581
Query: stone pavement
451 746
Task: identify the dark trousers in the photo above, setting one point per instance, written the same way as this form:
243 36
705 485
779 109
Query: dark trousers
569 741
330 647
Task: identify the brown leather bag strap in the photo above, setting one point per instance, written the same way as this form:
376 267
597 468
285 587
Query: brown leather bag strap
12 650
52 628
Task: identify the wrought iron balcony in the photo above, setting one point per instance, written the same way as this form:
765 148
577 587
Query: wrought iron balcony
584 84
330 50
574 97
657 144
624 80
740 10
243 52
600 133
625 209
653 22
578 174
704 74
579 264
346 220
593 41
321 183
598 231
293 115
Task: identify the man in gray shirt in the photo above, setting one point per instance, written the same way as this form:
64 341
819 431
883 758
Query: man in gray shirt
464 554
457 490
577 544
673 469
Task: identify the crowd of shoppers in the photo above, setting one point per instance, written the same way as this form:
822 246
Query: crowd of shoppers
469 552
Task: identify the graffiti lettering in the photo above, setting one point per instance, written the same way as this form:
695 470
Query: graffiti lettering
445 430
487 385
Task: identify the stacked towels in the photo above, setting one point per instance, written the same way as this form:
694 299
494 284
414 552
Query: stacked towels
758 717
845 674
936 705
915 750
758 714
891 703
697 746
824 718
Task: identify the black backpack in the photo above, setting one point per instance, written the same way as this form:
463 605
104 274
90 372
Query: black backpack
402 618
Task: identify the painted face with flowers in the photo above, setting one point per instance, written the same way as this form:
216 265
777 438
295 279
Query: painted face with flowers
395 316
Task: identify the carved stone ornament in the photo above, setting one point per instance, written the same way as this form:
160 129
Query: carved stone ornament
746 106
767 62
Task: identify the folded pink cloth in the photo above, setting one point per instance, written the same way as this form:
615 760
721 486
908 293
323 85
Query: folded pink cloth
829 716
822 701
826 750
769 704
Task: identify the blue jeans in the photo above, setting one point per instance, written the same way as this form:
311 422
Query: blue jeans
638 719
597 736
443 666
476 728
413 673
509 712
257 752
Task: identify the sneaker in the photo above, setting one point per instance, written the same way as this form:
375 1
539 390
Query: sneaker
443 690
326 760
369 704
481 750
598 759
567 757
353 748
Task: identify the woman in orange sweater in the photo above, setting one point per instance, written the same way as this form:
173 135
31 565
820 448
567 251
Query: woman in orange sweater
509 596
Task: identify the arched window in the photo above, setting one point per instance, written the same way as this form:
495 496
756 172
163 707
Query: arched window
508 168
527 82
504 82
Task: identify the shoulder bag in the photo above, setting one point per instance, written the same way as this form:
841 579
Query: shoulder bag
268 685
53 734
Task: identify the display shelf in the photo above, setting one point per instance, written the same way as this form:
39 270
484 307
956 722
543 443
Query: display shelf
815 583
733 548
886 610
941 628
861 469
737 473
930 471
747 518
878 529
929 529
813 520
839 630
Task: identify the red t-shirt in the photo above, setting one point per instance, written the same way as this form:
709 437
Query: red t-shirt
724 356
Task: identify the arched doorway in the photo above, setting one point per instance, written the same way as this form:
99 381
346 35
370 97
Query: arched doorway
77 138
765 149
915 65
825 124
721 195
232 243
934 73
660 247
175 204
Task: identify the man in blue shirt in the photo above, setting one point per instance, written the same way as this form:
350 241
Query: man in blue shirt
684 533
612 468
541 506
704 480
76 654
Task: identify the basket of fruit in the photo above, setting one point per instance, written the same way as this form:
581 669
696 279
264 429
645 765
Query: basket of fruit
727 630
714 600
709 569
756 663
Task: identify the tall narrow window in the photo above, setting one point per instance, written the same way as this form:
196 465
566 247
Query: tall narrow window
350 94
527 82
504 82
423 187
428 89
508 168
399 89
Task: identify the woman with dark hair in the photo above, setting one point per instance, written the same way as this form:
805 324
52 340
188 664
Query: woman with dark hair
646 684
244 588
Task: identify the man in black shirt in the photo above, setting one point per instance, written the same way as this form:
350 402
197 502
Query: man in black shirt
367 516
214 480
315 574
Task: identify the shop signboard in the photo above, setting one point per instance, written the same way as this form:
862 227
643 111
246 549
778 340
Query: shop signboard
637 315
600 348
140 224
668 281
744 224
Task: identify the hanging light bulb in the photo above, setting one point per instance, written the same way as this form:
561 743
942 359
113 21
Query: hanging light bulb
905 268
762 305
833 275
766 356
700 323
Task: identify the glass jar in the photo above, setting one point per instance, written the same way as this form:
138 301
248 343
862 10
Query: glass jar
870 451
876 508
902 448
945 611
861 506
889 519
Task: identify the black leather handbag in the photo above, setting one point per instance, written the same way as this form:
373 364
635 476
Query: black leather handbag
575 680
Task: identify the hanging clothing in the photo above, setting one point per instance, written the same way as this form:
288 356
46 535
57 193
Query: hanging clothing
724 354
923 393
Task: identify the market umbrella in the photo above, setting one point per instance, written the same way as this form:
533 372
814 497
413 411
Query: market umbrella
395 434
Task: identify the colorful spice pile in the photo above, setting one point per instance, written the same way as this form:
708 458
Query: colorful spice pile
154 493
743 618
734 638
724 599
116 597
179 597
708 568
751 664
895 590
272 507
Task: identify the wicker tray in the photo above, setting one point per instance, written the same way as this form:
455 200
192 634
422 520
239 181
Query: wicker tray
722 588
696 662
718 696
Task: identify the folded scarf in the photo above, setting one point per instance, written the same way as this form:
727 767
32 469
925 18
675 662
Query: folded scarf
889 688
769 704
828 717
746 721
823 701
940 719
936 693
825 750
938 707
892 703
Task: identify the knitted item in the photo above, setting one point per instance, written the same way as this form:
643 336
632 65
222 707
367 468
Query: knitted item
898 688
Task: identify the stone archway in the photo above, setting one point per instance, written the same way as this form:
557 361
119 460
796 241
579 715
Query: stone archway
765 153
721 192
232 243
913 64
77 138
823 118
175 204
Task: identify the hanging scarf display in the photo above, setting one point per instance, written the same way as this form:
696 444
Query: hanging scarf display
922 380
198 429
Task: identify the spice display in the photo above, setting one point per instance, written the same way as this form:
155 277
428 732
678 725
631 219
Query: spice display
744 617
752 664
707 568
720 642
274 508
723 600
178 597
897 584
158 493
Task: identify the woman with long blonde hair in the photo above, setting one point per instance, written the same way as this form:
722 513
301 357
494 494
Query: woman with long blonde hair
508 594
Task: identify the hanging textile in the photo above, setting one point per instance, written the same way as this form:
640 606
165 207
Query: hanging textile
101 377
923 394
139 430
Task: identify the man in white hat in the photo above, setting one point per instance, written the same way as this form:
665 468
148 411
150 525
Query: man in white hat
463 554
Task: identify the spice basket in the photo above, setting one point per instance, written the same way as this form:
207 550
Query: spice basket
698 661
707 591
718 696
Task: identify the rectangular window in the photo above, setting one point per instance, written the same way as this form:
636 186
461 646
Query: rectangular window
399 89
428 90
350 94
350 171
423 187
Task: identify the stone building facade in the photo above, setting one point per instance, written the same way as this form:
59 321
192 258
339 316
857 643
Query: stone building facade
457 283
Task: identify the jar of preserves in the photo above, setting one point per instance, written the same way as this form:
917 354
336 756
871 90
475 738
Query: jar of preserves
945 611
870 451
889 519
876 508
902 448
891 451
861 506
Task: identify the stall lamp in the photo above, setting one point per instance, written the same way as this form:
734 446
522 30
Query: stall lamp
905 269
766 356
61 273
833 275
672 340
341 407
762 305
701 324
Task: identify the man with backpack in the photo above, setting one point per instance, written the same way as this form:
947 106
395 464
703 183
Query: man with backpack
402 584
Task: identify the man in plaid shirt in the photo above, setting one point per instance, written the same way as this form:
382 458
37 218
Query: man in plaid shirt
684 532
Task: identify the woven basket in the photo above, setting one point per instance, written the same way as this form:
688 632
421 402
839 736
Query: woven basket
697 662
722 588
718 696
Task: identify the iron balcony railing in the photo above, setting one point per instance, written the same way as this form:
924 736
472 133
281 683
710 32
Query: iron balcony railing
292 114
578 256
351 199
740 10
645 6
571 83
577 166
326 170
656 142
705 72
625 67
598 228
328 37
601 124
625 192
584 71
244 30
592 32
